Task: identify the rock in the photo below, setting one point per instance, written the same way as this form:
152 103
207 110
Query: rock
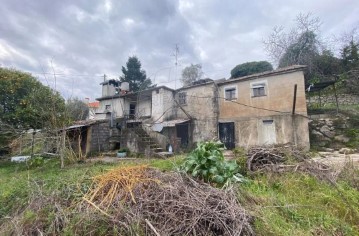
324 154
322 144
316 133
328 149
345 151
327 132
341 138
328 122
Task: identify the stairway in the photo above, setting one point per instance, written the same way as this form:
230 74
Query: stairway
145 138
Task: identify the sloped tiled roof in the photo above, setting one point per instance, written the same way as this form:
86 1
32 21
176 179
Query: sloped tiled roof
94 104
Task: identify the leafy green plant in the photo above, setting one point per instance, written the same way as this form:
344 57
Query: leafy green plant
36 161
207 162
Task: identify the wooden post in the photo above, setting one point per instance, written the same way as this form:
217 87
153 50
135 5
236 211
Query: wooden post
336 98
62 148
294 98
294 133
32 143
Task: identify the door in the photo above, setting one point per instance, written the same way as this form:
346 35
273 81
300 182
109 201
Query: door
182 132
268 132
132 111
226 134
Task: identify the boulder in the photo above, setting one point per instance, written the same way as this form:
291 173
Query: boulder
328 122
327 132
341 138
346 151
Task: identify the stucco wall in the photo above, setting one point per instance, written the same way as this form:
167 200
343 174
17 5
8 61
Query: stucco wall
162 104
201 105
288 129
279 96
143 106
118 105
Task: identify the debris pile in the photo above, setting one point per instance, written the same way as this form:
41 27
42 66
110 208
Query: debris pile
167 203
283 159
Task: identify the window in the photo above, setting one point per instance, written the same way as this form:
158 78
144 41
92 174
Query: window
258 89
182 98
267 122
230 93
107 107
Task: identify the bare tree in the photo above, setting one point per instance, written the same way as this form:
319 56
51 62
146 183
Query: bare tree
286 47
191 74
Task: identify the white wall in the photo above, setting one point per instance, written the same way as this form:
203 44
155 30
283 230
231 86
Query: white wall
118 105
162 102
144 108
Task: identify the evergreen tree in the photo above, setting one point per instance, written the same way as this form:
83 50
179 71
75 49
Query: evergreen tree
250 68
135 76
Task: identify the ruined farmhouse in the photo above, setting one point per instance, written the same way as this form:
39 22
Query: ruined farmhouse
260 109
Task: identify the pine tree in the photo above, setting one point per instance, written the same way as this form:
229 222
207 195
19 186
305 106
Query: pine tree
135 76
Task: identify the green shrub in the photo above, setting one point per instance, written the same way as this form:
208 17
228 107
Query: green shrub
36 162
206 162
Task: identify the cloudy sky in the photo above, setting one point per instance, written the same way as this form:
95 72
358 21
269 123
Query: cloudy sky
82 40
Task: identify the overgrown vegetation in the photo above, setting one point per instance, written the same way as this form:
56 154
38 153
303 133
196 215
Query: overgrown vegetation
49 200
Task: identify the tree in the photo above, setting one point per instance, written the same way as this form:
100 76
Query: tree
302 45
350 63
350 55
297 45
135 76
27 103
191 74
77 109
249 68
301 52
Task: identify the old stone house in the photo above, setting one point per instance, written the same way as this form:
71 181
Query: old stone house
246 111
178 118
258 109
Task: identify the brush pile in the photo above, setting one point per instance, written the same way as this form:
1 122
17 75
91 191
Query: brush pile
284 159
167 203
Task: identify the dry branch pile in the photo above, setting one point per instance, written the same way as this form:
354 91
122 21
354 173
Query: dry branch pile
284 159
168 203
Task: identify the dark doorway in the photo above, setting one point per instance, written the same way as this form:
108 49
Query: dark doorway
132 111
226 134
182 132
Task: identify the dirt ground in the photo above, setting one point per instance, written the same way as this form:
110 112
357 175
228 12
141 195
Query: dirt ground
337 160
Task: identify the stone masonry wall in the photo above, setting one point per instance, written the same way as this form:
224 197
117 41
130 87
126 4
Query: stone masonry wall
343 99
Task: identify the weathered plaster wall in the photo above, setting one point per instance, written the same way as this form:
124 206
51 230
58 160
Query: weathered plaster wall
108 90
118 105
144 106
162 104
249 131
280 90
201 105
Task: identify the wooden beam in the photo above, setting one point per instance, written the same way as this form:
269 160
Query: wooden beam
294 98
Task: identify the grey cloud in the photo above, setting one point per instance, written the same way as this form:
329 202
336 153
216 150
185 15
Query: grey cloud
84 39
